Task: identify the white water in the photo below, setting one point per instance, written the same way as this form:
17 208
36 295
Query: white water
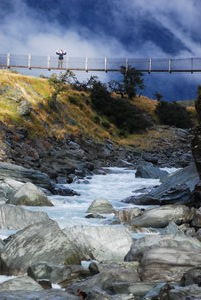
116 186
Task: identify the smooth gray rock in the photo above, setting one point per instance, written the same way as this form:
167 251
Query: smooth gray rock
61 274
161 216
108 242
150 171
13 217
21 283
2 245
8 188
179 241
165 257
111 274
175 189
43 295
30 195
196 222
167 264
43 242
101 206
24 175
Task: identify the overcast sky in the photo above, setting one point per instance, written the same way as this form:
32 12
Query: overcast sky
113 28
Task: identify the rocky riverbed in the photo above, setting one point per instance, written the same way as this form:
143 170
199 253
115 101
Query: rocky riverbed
95 245
82 219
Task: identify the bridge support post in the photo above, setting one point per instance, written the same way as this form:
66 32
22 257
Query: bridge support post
150 65
48 63
192 65
29 61
86 64
105 64
8 60
169 65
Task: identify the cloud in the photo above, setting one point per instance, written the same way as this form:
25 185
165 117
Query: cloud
122 31
181 17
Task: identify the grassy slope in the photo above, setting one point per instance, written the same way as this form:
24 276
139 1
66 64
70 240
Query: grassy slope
74 116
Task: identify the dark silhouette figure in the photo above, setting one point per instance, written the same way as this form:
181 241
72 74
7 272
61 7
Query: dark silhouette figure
61 54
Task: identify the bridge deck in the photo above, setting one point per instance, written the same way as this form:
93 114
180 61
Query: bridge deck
101 64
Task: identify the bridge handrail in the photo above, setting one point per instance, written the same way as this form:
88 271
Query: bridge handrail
191 64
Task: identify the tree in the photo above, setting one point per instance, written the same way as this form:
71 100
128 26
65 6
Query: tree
59 84
132 81
129 85
84 85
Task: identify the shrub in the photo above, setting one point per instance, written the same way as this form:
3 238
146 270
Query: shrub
173 114
121 112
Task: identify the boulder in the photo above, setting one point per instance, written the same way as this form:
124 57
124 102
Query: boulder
61 274
24 175
62 190
176 189
175 292
141 245
30 195
166 257
167 264
150 171
13 217
185 228
113 275
196 222
8 188
94 216
21 283
101 206
161 216
2 244
31 295
40 242
108 242
127 215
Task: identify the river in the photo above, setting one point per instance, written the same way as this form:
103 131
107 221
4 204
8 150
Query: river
115 186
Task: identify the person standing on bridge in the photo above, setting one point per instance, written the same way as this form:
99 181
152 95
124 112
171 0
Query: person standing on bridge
61 54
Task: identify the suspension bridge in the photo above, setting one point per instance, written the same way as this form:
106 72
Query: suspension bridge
87 64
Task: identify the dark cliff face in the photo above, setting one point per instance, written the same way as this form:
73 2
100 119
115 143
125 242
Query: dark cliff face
196 142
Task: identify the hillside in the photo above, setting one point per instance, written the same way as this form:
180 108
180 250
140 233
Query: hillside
34 134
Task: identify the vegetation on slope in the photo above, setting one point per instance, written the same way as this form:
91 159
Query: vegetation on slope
25 103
